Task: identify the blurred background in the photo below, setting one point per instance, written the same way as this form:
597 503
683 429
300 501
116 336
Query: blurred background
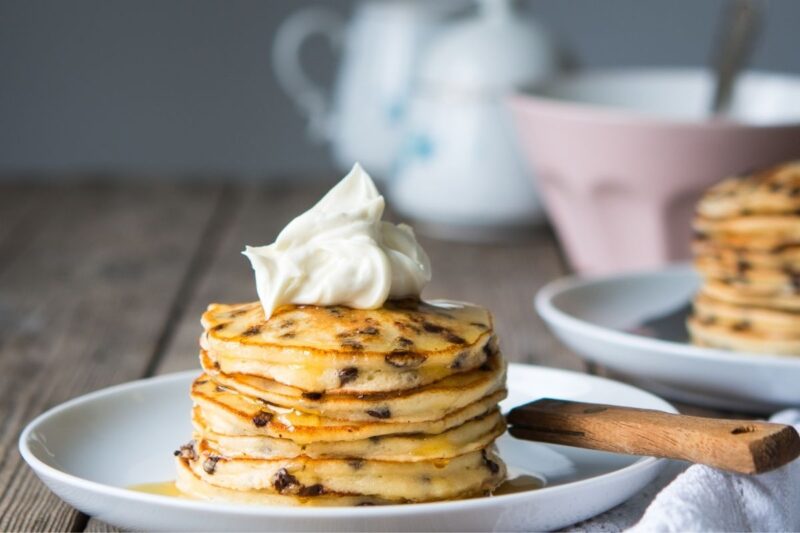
186 88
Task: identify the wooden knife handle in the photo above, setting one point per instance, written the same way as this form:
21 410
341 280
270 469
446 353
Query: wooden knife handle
744 446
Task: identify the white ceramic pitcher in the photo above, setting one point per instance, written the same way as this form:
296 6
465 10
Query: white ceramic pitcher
460 174
363 118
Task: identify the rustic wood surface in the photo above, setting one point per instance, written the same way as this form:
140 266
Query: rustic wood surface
102 284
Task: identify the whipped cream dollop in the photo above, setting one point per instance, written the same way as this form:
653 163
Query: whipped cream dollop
340 252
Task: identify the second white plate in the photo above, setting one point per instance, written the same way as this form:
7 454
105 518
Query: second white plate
597 317
89 449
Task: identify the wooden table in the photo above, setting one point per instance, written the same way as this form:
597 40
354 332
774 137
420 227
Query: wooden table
104 283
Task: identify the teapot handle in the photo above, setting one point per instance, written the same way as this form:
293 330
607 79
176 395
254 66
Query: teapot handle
310 97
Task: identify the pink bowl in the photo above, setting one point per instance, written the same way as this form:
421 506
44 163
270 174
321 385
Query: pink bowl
621 156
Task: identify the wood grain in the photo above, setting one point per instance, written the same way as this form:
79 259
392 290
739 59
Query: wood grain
743 446
82 305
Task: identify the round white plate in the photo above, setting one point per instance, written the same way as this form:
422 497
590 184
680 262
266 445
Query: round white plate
595 318
90 448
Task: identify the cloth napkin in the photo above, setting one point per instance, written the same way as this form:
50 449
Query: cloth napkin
701 498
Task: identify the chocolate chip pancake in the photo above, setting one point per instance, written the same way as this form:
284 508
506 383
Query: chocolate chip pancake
429 402
466 475
737 260
768 321
230 412
765 233
404 345
747 250
773 191
740 337
472 435
190 484
752 295
341 386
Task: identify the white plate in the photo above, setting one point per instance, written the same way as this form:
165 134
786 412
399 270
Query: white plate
594 317
89 449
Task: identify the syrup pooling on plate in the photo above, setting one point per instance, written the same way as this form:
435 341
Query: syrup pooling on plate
161 488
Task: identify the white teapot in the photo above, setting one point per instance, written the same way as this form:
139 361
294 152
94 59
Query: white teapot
364 118
460 173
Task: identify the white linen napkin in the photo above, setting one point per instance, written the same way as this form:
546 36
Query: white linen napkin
702 498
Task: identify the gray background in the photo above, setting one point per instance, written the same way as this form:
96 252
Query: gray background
184 88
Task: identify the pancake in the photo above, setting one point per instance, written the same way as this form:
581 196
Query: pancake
429 402
740 260
403 345
469 474
760 279
775 190
757 232
191 485
752 295
228 412
470 436
719 335
766 321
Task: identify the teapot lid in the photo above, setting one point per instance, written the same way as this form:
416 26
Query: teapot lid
495 50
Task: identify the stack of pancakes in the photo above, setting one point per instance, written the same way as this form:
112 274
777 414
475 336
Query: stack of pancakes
748 252
340 406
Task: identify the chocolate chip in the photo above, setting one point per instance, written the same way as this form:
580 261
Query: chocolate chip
489 349
218 327
432 328
347 374
743 266
352 344
312 490
403 342
381 412
405 326
369 330
186 451
452 337
459 361
485 367
313 395
405 359
794 279
744 325
288 335
287 324
262 418
210 464
491 465
283 480
252 330
355 464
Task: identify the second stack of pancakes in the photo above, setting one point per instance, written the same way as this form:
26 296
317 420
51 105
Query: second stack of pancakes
340 406
748 251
